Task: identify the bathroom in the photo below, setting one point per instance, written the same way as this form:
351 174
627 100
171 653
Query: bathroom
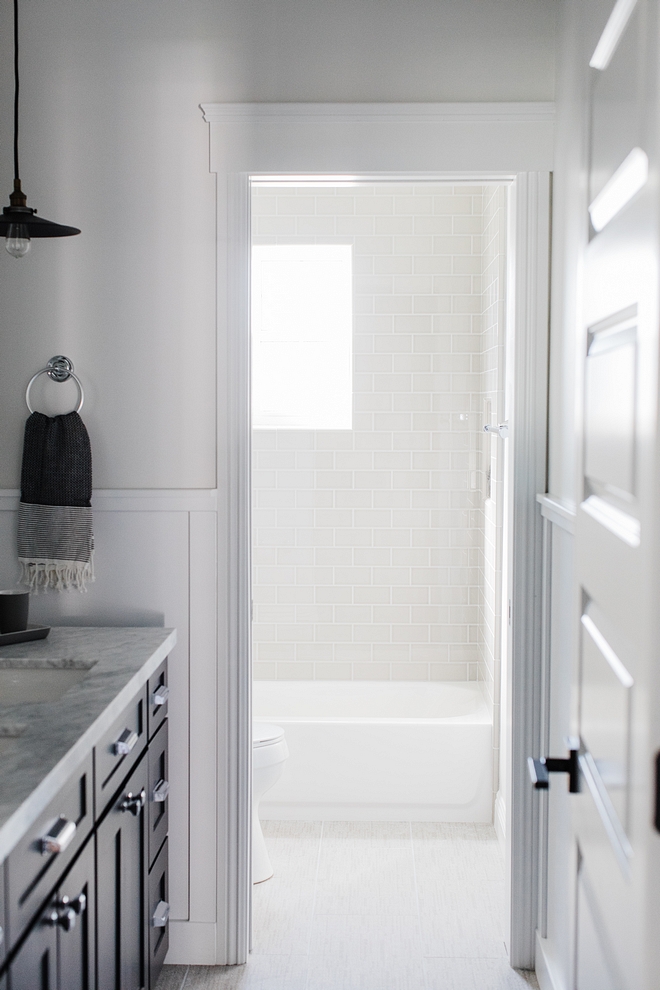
151 302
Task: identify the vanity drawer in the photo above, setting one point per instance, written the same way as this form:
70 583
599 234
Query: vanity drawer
159 785
3 926
119 750
158 693
159 913
36 864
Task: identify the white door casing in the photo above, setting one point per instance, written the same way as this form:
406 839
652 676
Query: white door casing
481 142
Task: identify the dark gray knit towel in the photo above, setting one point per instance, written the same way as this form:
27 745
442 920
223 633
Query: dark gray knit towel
55 539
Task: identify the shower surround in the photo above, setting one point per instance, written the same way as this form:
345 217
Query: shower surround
375 549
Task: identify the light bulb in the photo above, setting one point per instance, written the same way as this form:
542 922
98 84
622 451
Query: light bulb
17 241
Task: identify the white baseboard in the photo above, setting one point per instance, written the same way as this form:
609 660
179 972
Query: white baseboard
192 943
500 818
478 811
547 971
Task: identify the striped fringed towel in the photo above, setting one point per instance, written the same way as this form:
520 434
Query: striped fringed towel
55 539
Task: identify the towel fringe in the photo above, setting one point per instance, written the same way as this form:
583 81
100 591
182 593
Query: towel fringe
59 575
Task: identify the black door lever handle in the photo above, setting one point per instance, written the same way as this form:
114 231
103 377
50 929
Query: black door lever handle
540 770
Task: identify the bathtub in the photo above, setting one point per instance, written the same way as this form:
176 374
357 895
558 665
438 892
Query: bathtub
380 750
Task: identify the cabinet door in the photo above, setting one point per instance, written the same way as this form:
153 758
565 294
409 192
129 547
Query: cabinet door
159 914
35 965
158 791
76 936
121 852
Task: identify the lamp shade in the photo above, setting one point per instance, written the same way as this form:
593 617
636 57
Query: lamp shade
34 226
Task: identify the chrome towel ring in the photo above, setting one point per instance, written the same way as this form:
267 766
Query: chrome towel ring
58 369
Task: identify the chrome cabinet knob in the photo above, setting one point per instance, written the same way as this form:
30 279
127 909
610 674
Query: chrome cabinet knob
161 790
161 915
58 836
160 695
65 911
125 743
133 802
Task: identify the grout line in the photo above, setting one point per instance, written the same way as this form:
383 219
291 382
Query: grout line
419 912
185 977
313 913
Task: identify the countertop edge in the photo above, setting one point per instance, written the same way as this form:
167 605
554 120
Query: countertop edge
22 819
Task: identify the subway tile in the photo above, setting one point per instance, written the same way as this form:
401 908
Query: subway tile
412 205
353 537
353 499
335 479
394 304
373 362
352 575
372 556
391 537
372 479
432 304
391 653
333 671
275 652
315 537
374 205
371 671
314 652
432 264
410 557
450 205
363 633
334 205
315 226
333 633
403 595
437 224
292 593
412 362
393 265
391 613
353 652
334 594
351 225
295 671
412 324
371 595
333 556
353 613
376 244
314 499
391 499
394 225
390 459
410 671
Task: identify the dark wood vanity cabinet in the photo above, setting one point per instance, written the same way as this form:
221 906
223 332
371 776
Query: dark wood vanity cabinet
104 926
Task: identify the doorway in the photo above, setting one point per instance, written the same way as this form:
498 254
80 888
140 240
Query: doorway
268 141
378 325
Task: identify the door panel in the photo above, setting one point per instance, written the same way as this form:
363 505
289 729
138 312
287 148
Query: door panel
35 965
617 579
76 939
121 897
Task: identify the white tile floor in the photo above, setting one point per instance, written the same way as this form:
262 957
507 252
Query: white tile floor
373 906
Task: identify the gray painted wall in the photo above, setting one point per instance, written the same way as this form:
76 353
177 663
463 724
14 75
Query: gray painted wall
113 142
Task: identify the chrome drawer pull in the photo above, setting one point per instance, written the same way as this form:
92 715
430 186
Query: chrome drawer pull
161 790
161 915
133 802
160 695
125 743
58 836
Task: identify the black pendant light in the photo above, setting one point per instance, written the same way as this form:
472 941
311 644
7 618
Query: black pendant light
19 223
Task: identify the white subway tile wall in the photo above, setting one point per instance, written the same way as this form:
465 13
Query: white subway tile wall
368 544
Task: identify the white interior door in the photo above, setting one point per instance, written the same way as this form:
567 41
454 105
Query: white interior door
617 588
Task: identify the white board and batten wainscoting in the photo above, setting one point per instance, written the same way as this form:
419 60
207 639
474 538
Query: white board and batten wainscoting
156 564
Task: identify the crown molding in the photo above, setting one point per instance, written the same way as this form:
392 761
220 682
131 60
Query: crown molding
363 113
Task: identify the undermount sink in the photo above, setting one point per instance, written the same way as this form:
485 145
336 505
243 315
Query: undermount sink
36 680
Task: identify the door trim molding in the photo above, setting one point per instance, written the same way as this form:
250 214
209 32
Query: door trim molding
528 396
494 142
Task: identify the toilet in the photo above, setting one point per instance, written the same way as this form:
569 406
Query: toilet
269 751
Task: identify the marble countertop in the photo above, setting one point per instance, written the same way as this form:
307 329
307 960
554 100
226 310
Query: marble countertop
48 741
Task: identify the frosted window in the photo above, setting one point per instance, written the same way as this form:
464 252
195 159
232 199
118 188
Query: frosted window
302 336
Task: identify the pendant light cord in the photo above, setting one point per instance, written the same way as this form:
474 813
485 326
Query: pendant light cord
16 86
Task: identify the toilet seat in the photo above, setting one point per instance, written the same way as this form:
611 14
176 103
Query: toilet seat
268 745
265 733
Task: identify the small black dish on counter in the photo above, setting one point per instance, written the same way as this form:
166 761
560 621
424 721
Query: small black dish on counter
24 635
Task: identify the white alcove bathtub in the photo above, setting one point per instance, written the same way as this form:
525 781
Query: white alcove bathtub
380 750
